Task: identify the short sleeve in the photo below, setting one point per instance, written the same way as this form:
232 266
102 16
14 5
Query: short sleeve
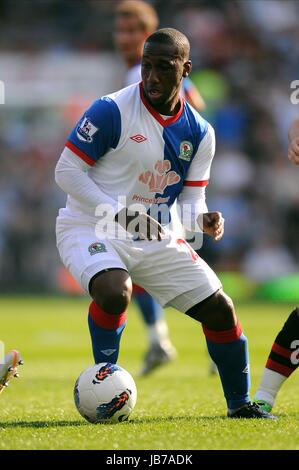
199 170
97 131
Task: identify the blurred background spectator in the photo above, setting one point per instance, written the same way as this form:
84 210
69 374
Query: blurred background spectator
58 56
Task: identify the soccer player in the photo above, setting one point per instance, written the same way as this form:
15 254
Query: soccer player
135 20
9 367
131 155
283 359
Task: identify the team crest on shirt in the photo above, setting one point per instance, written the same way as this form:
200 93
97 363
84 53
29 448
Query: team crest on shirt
186 150
86 130
97 247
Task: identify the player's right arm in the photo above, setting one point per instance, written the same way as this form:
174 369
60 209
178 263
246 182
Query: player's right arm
96 132
293 150
141 224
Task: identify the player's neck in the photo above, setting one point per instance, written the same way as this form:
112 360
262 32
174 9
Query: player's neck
169 109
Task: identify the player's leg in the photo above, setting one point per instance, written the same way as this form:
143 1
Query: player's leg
193 288
99 270
212 367
228 347
160 349
111 292
9 367
283 360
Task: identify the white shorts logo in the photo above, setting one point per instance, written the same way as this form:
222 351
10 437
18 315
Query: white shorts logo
86 130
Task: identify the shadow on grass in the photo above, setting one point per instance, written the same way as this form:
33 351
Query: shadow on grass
197 419
41 424
130 422
174 419
134 421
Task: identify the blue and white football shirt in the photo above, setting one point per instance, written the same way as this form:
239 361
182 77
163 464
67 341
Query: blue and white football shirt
134 152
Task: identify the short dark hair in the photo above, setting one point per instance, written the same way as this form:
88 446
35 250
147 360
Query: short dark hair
173 37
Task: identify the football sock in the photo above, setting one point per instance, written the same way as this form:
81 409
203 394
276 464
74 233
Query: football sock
269 387
105 330
229 351
150 309
282 361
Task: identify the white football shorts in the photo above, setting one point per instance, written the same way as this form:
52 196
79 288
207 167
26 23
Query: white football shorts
165 269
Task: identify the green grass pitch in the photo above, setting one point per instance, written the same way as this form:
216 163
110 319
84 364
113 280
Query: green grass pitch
178 407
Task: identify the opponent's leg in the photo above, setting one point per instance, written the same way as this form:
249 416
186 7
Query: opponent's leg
283 360
9 367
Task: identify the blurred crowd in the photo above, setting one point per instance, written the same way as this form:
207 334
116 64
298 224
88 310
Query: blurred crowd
245 55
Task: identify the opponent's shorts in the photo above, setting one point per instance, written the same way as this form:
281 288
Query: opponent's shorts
165 269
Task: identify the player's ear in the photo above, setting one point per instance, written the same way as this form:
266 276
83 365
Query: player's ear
187 68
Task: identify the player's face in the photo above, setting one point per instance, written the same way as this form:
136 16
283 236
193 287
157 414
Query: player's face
162 71
129 38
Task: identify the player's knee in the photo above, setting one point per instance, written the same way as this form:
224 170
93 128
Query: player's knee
112 291
227 305
115 302
217 312
221 314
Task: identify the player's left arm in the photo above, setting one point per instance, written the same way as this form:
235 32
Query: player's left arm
191 201
213 224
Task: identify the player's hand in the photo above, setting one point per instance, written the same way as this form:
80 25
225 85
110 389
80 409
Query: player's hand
213 225
293 151
140 224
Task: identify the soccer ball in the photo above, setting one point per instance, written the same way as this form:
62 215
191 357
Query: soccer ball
105 393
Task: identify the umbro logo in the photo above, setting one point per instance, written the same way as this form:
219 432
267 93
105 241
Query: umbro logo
138 138
108 352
